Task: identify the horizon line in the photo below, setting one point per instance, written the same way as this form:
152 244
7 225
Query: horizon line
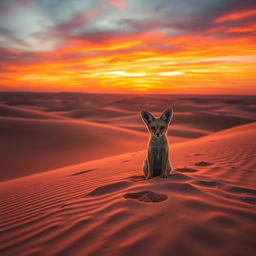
129 93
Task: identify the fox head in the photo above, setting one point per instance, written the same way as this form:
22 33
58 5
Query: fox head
157 126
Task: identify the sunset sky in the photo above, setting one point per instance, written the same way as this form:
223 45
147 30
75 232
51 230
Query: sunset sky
158 46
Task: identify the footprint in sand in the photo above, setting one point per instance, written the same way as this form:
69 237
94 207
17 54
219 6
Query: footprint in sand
186 170
250 200
208 184
146 196
124 161
203 163
136 178
251 194
240 190
82 172
215 168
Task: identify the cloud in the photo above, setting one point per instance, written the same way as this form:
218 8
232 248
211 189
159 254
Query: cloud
116 43
238 15
7 37
121 4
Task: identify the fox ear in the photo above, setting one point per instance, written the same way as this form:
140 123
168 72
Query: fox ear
146 117
167 116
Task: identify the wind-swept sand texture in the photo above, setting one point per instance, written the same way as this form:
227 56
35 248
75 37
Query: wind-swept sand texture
44 131
105 207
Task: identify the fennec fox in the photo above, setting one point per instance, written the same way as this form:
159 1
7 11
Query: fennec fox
157 161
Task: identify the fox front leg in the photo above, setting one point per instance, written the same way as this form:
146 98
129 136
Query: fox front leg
146 168
150 162
164 169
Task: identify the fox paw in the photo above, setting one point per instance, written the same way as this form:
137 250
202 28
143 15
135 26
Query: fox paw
164 176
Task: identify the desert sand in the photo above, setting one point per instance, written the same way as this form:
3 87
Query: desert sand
40 131
102 205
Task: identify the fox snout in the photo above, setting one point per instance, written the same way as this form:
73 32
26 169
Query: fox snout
157 131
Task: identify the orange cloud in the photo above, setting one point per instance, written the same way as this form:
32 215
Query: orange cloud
242 29
235 16
199 64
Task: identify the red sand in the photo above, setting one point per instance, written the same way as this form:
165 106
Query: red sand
40 132
31 146
104 206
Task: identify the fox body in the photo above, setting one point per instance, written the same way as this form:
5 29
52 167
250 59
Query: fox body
157 162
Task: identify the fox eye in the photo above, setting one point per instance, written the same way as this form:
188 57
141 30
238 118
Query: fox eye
162 128
153 129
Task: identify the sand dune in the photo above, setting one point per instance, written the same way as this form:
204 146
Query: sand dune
101 113
43 131
10 111
31 145
210 121
208 113
105 207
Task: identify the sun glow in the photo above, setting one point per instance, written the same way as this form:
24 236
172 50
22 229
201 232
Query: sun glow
174 73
